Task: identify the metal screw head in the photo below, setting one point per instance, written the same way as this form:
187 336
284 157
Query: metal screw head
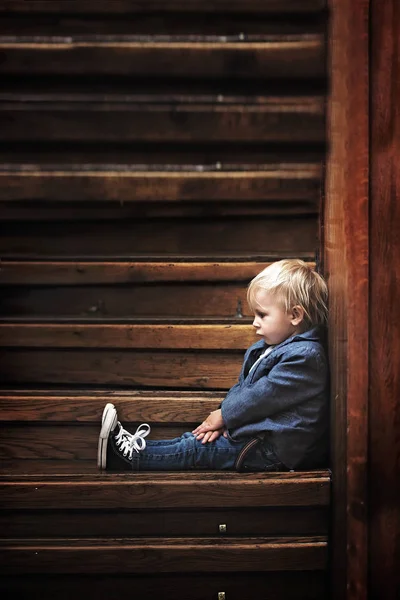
222 528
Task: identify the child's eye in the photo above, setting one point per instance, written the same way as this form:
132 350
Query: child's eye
260 315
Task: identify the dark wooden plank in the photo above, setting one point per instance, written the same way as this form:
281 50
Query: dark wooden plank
381 457
155 369
129 301
127 7
158 158
111 273
160 236
167 490
283 119
185 522
192 337
278 57
165 555
86 407
26 210
284 184
307 585
150 27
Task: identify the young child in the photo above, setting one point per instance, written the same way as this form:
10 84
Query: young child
276 417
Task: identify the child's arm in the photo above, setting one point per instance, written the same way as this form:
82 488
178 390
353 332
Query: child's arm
296 378
211 428
211 436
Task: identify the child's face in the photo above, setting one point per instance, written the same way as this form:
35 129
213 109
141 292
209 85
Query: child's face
271 320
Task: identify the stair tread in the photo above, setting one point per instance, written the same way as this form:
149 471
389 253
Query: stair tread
165 541
53 471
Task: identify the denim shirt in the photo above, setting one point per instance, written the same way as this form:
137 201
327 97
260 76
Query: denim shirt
285 397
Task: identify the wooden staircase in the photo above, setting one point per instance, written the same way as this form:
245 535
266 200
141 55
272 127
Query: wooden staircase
155 156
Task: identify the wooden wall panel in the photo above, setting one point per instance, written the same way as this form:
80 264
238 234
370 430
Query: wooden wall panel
384 401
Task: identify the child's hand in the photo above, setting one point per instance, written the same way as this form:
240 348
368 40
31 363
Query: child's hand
213 423
211 436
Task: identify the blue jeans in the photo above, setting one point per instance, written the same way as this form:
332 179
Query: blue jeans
186 453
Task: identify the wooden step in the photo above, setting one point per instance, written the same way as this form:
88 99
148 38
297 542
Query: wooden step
159 490
162 555
158 355
281 183
57 406
261 57
150 119
163 236
195 336
140 271
128 7
127 289
120 368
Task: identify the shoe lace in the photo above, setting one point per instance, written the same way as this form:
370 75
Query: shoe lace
128 442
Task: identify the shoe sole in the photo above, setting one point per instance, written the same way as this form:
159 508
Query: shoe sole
108 423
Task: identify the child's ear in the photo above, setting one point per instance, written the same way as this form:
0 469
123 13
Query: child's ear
297 315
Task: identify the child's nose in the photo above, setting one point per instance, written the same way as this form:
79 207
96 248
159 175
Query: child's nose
255 322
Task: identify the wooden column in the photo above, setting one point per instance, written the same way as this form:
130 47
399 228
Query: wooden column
346 267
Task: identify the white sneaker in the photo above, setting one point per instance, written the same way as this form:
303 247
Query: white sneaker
109 422
123 443
126 442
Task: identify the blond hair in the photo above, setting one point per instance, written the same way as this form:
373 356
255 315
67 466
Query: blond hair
293 283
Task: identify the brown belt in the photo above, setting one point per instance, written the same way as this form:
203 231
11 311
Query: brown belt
245 450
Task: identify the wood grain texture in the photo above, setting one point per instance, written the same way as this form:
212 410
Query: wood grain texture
93 273
384 406
310 585
58 406
163 555
66 471
192 337
153 407
184 522
277 120
278 57
169 490
160 236
187 370
70 442
307 585
39 212
346 266
175 300
278 184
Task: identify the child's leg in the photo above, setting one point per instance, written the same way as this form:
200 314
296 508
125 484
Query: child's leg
120 449
187 453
